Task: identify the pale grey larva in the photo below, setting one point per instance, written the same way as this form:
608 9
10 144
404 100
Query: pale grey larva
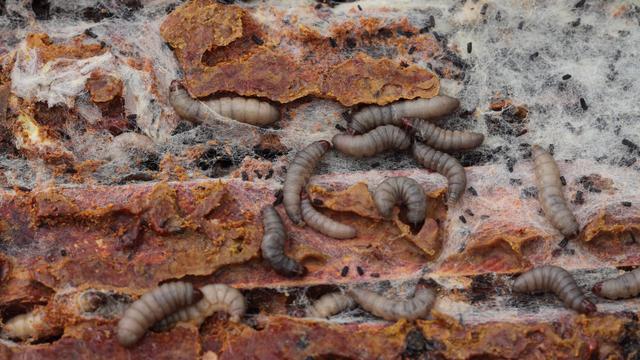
28 326
401 190
153 307
376 141
324 224
273 242
442 139
624 286
371 117
550 194
559 281
394 309
216 297
445 165
329 305
298 173
245 110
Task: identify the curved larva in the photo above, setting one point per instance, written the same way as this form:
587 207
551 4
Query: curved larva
442 139
445 165
216 297
153 307
417 307
550 194
401 190
559 281
245 110
324 224
376 141
273 245
373 116
26 326
621 287
298 174
329 305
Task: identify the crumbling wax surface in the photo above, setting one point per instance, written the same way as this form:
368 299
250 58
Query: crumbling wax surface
206 34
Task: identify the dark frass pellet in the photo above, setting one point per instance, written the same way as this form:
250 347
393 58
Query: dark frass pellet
563 181
350 43
563 243
359 7
469 212
534 55
340 128
333 42
463 219
521 25
345 271
469 47
566 77
579 199
576 23
375 275
472 191
626 203
412 49
583 104
484 8
269 174
257 40
360 271
245 176
579 4
631 145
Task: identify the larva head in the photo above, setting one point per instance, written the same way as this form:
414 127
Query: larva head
196 295
407 124
597 289
537 150
326 145
175 85
447 104
588 307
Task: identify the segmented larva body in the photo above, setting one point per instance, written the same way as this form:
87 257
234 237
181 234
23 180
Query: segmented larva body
559 281
550 195
324 224
153 307
376 141
216 297
26 326
417 307
298 173
445 165
621 287
329 305
273 244
245 110
373 116
442 139
401 190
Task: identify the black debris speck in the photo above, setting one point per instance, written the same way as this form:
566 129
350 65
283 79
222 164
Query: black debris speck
566 77
515 182
333 42
350 43
579 199
63 252
359 7
534 55
551 149
469 47
627 162
583 104
375 275
463 219
257 39
626 203
258 174
521 25
469 212
472 191
360 271
269 174
563 181
90 33
345 271
317 202
580 4
576 23
412 49
403 64
484 8
340 128
245 176
588 184
563 243
529 192
511 162
630 144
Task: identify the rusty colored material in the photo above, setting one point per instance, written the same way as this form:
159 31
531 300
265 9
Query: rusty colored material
48 50
216 47
103 87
